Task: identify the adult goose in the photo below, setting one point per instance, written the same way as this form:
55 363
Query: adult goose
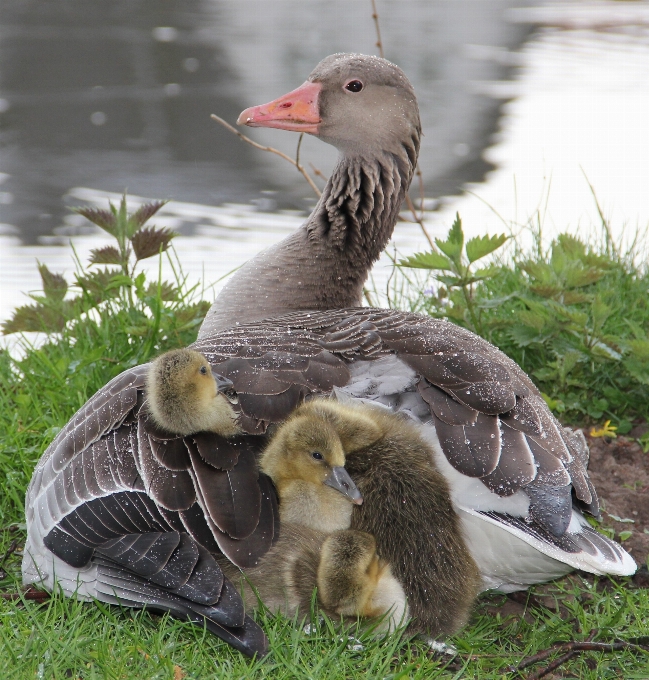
519 480
121 510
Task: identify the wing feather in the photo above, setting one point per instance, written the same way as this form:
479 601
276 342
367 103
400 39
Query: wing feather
516 467
474 449
172 489
231 498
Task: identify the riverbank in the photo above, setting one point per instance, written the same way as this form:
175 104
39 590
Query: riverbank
93 333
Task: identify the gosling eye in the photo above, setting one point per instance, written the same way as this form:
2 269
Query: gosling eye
317 455
203 370
354 86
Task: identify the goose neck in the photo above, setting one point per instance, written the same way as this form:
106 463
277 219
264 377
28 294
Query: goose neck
325 263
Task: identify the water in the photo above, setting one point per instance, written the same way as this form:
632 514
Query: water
99 97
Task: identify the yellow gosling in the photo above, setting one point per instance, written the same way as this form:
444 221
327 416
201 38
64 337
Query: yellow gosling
185 396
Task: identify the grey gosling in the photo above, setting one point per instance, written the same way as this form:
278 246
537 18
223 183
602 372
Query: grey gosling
406 508
186 396
306 461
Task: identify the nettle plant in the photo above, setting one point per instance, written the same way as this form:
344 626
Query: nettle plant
111 291
454 268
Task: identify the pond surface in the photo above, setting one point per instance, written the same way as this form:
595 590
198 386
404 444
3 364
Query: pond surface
96 98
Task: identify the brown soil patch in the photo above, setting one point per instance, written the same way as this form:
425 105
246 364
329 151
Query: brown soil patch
620 472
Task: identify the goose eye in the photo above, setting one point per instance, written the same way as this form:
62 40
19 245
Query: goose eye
203 370
354 86
317 455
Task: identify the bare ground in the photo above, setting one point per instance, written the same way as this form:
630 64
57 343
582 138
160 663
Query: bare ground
620 472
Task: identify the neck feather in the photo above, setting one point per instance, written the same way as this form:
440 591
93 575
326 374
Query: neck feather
326 262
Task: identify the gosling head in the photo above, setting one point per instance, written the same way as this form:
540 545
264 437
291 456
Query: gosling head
186 396
305 459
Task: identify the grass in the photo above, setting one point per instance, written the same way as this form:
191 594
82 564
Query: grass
99 332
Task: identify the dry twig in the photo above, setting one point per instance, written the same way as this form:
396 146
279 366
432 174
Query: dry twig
418 219
552 666
29 594
570 650
11 549
375 16
318 173
279 153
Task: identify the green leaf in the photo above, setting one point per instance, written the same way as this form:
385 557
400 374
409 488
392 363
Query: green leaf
429 260
609 532
571 297
496 302
540 272
35 318
636 329
580 319
54 285
97 284
639 370
596 408
523 335
122 218
625 535
572 246
576 278
455 233
119 281
559 260
481 246
532 319
624 427
601 349
546 290
483 274
640 350
454 242
545 373
450 281
168 292
555 405
624 520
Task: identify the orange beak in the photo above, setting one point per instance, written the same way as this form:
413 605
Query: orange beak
297 111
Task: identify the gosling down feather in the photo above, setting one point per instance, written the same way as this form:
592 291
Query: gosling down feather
316 548
287 326
406 507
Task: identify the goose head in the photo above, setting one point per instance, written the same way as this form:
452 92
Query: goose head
355 102
306 459
185 396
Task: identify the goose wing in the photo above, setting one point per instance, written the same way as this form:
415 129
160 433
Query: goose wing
490 419
140 513
508 461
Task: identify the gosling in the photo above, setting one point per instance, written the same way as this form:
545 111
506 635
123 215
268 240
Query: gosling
306 460
315 548
185 396
406 508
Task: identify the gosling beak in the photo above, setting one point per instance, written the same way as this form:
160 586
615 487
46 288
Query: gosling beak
222 384
340 480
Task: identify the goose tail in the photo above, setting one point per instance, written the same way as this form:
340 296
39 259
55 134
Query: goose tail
532 551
